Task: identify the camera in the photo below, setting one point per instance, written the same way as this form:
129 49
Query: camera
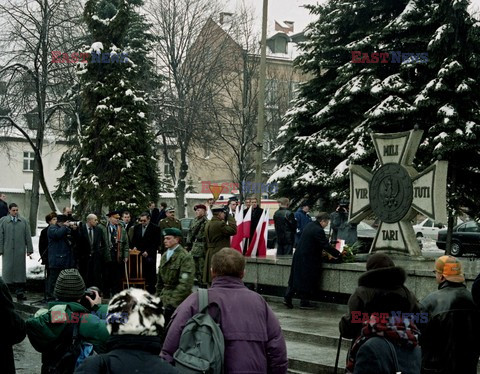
91 294
74 223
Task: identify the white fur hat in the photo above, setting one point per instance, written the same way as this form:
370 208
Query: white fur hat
136 312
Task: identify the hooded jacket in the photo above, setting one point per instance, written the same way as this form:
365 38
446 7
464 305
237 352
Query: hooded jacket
379 290
129 354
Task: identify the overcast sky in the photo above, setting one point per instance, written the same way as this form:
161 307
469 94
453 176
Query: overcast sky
292 10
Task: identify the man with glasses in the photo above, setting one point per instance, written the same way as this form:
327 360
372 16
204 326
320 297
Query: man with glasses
15 245
146 239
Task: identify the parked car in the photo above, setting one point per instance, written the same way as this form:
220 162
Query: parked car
365 235
465 238
428 229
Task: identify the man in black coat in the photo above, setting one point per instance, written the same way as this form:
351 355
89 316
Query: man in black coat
307 261
449 340
256 214
163 213
154 213
92 251
13 329
146 238
3 205
285 228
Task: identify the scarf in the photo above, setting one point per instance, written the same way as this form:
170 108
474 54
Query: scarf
401 332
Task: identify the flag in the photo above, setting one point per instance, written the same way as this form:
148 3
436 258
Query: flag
262 244
236 241
247 223
209 213
257 237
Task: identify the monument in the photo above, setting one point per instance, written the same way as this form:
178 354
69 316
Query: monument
396 192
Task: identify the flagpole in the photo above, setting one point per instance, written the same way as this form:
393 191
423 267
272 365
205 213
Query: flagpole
261 105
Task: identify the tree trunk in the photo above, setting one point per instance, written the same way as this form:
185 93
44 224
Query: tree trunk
34 201
181 185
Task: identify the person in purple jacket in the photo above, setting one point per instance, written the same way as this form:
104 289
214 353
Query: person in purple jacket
253 338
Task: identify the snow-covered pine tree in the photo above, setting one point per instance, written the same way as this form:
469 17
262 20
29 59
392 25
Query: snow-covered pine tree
336 112
118 168
331 105
446 98
440 95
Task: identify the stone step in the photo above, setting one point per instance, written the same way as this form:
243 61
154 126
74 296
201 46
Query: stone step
312 336
315 339
314 359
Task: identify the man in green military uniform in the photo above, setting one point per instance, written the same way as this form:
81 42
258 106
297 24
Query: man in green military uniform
175 274
117 243
217 232
196 242
168 223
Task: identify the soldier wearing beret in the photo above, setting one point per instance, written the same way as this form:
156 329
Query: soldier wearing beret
196 241
217 232
175 273
117 244
168 223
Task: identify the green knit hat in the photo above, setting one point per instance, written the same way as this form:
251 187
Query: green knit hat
70 285
172 231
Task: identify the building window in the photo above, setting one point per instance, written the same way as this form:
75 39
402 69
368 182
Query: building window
271 87
166 168
207 149
28 160
293 92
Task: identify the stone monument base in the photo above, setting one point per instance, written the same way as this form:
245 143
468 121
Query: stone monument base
272 272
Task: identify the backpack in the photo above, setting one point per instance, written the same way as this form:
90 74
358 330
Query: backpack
69 352
202 346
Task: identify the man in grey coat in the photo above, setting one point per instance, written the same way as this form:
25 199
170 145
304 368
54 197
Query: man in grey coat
15 244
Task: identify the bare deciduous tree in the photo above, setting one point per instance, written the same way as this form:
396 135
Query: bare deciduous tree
36 86
190 55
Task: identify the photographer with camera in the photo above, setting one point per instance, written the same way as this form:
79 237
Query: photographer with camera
60 251
51 331
339 226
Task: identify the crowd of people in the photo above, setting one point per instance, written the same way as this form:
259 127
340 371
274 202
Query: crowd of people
143 330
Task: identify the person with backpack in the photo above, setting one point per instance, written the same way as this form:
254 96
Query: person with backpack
253 339
68 328
136 325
